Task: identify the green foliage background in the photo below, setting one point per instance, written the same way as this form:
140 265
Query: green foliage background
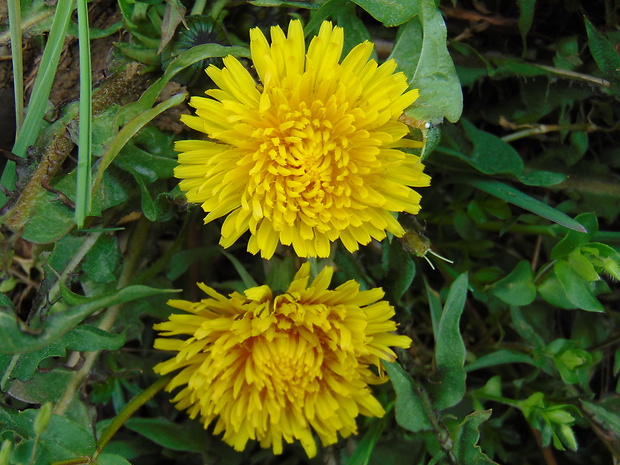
516 348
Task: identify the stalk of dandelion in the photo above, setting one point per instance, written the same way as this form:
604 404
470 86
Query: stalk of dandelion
40 94
83 197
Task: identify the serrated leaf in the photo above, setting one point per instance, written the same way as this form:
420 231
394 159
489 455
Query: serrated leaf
18 338
518 287
409 408
466 448
450 349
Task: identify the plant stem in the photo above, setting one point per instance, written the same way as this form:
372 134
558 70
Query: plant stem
127 411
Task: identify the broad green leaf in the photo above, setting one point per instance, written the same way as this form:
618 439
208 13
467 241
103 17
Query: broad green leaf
551 291
102 260
19 338
490 154
63 438
518 198
499 357
363 451
466 448
576 287
605 56
434 73
189 437
355 31
575 239
51 221
518 287
82 338
390 12
400 271
409 407
450 349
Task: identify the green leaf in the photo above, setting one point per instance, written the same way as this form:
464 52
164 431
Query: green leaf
466 438
189 437
576 287
575 239
390 12
450 349
247 279
130 129
63 438
605 413
518 287
111 459
518 198
526 15
409 406
400 271
51 221
499 357
605 56
19 338
551 291
490 154
434 73
363 451
188 58
102 260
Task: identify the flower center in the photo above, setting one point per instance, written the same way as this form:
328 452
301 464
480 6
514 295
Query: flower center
303 168
287 366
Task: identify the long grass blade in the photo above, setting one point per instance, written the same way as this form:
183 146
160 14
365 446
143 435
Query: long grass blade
41 91
83 197
15 20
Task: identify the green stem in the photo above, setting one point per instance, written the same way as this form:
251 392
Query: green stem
129 409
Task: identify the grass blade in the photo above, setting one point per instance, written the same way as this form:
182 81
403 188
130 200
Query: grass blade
518 198
15 20
83 197
40 94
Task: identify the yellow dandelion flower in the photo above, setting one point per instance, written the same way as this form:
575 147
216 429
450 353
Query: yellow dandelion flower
308 156
278 368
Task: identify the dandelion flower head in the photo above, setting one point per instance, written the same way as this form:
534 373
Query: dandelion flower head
280 368
309 155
